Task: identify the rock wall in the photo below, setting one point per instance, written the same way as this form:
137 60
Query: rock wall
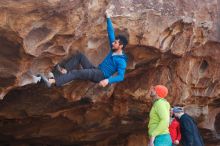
172 42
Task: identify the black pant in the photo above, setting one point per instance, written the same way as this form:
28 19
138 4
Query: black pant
88 71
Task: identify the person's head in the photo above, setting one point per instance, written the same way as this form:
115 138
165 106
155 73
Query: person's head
119 43
178 111
158 91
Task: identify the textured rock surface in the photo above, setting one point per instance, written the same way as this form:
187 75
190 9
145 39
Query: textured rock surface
172 42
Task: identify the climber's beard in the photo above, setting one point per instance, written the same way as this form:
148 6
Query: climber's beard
114 50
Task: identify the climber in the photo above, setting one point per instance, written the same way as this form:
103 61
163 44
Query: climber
174 129
115 61
159 117
189 131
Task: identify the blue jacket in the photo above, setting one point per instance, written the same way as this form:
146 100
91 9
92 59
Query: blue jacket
190 132
113 63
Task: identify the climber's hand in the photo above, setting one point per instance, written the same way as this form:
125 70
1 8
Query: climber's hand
108 14
104 82
63 71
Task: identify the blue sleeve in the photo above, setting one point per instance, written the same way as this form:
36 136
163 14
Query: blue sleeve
120 73
111 32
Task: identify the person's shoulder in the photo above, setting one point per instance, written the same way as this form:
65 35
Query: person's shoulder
160 102
185 117
122 57
189 118
164 101
176 121
121 60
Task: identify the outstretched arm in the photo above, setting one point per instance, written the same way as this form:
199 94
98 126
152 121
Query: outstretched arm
110 29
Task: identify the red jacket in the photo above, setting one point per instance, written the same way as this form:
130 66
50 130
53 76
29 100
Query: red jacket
174 129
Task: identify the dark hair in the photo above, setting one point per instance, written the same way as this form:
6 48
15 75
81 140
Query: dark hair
122 40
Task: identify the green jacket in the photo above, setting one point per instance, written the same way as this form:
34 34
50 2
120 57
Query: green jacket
159 118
